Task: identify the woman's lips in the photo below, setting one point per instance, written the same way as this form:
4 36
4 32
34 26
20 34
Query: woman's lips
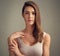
29 20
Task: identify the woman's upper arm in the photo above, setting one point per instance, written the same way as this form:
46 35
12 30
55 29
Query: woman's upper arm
9 43
46 45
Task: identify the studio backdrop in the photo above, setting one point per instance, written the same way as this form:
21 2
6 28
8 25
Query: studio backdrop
11 20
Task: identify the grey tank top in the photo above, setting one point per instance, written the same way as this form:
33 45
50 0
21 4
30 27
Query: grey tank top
34 50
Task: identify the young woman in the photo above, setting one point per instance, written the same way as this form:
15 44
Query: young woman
31 41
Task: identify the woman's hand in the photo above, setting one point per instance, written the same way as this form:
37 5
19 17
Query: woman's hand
13 45
16 35
14 48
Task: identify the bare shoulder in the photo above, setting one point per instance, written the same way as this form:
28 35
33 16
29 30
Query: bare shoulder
15 35
47 38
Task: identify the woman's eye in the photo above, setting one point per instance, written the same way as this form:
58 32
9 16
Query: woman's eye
26 13
33 13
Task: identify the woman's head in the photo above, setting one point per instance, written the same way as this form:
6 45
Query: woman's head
31 13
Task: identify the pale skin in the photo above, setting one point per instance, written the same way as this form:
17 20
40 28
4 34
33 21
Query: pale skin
27 36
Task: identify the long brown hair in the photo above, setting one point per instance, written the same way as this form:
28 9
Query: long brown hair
37 31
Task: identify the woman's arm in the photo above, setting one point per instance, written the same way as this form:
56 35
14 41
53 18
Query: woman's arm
46 45
13 45
9 45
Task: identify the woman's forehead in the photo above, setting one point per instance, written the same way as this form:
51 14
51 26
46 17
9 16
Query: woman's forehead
29 8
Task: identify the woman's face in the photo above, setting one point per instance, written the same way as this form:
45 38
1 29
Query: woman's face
29 15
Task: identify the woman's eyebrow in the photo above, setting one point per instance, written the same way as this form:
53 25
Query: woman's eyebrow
26 11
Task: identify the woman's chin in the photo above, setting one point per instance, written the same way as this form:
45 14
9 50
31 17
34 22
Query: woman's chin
31 24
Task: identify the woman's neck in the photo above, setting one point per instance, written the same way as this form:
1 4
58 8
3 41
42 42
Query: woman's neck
28 29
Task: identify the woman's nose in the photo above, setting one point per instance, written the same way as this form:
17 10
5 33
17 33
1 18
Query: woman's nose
30 15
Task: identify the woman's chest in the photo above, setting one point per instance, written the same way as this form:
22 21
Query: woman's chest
35 50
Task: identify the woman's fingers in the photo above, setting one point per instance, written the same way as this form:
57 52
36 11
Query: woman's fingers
14 48
14 42
11 48
22 34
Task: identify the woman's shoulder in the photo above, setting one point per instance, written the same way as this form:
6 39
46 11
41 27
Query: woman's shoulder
46 37
15 35
45 34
